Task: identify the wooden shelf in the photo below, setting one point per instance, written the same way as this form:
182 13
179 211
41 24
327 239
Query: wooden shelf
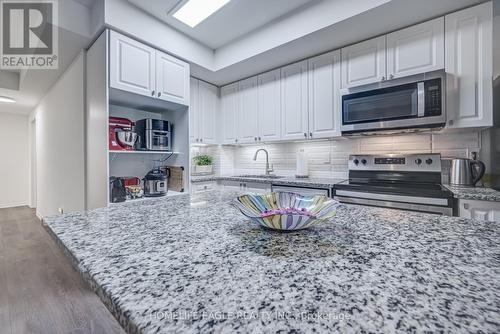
170 193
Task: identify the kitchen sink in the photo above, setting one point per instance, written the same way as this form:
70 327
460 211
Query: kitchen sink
262 176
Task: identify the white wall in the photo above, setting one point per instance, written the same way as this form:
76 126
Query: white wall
60 144
14 159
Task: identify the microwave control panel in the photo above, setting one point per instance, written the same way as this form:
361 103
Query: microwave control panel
433 97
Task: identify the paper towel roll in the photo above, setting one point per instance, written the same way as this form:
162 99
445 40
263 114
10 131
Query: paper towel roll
302 165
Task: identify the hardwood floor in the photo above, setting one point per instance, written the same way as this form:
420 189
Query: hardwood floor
40 292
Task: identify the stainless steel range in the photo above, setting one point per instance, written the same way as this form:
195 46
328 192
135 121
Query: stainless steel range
408 182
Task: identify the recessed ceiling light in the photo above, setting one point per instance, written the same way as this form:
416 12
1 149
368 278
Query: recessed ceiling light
7 99
195 11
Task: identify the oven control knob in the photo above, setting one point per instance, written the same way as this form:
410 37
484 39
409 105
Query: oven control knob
363 161
418 161
356 162
428 161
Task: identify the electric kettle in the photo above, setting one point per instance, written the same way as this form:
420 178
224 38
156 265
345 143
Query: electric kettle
465 172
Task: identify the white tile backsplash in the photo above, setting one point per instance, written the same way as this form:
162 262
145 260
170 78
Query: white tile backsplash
329 158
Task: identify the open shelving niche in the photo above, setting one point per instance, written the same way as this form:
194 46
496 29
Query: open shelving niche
103 101
139 163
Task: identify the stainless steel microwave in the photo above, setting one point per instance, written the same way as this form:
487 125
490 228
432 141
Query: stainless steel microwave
401 104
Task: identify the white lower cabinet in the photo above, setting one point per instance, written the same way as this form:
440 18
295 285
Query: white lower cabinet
251 187
203 112
469 67
324 96
198 188
294 102
481 210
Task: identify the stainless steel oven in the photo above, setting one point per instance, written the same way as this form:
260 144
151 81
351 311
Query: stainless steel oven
414 102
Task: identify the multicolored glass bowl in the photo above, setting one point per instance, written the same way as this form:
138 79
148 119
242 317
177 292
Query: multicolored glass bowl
286 211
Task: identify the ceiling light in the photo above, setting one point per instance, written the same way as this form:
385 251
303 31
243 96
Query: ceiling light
195 11
7 99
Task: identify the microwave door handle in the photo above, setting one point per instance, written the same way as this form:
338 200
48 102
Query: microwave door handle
420 99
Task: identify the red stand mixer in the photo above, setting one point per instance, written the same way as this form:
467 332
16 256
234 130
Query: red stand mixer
121 136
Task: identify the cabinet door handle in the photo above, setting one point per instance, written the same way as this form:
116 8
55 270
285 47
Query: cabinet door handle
310 134
153 93
159 94
305 134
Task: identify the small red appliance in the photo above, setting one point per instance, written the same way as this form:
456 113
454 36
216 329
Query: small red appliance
119 124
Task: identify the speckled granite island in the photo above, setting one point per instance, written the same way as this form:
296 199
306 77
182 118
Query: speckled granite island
193 264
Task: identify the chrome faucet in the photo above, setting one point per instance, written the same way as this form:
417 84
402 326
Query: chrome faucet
268 170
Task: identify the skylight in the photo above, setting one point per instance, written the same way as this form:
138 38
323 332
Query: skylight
195 11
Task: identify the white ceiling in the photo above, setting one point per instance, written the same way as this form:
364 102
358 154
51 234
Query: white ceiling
234 20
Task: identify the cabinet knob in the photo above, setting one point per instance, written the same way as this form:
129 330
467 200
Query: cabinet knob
391 76
236 140
159 94
201 139
305 134
310 134
260 139
197 139
153 93
255 138
382 79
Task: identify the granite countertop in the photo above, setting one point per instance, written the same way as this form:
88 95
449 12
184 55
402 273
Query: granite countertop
315 182
475 193
193 264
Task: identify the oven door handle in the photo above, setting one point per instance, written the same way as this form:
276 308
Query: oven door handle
395 198
421 99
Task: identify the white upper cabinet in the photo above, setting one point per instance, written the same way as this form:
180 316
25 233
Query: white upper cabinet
208 105
364 63
416 49
469 67
137 68
269 106
248 123
294 104
194 111
324 95
203 112
172 79
229 108
132 65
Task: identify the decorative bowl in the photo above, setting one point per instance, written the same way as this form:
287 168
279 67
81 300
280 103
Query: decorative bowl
286 211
